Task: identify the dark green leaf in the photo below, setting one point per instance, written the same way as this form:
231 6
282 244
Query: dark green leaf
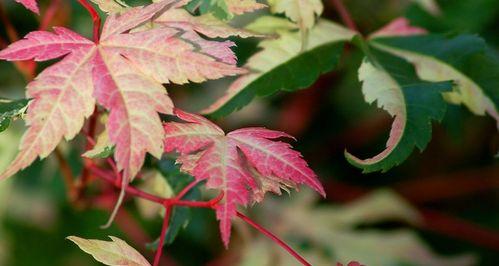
394 84
10 109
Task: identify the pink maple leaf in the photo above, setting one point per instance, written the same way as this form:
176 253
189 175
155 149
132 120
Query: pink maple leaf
398 27
124 73
244 163
30 4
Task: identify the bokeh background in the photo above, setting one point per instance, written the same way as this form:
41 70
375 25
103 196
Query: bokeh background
440 207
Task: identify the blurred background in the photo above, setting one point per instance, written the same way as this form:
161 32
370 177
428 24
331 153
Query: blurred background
440 207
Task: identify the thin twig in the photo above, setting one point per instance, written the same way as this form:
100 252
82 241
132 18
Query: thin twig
10 29
49 14
170 202
274 238
186 189
109 177
164 229
344 14
95 18
26 68
67 174
457 228
90 135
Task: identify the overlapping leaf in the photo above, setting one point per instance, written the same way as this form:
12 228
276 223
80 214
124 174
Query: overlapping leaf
302 12
115 252
279 66
206 24
333 234
124 72
465 59
224 9
9 110
30 4
243 164
414 103
111 6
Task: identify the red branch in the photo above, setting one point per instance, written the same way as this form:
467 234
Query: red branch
113 177
274 238
168 203
344 14
95 18
49 14
164 229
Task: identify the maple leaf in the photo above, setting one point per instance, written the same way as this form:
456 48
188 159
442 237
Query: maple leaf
333 234
279 65
414 103
240 7
243 164
115 252
206 24
30 4
124 72
111 6
225 9
439 58
302 12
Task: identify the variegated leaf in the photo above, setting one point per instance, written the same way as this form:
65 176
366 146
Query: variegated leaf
115 252
393 83
302 12
206 24
244 164
279 65
124 72
439 58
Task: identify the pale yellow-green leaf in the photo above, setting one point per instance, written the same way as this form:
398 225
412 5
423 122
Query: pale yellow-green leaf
154 183
378 86
302 12
102 144
429 5
278 52
333 237
206 24
111 6
271 25
466 91
116 252
239 7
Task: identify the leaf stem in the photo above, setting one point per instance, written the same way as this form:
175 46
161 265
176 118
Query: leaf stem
344 14
164 229
9 28
49 14
67 174
95 18
26 68
169 203
109 177
186 189
274 238
90 134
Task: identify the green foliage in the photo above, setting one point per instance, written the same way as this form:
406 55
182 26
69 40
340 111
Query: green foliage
217 7
180 216
394 84
10 110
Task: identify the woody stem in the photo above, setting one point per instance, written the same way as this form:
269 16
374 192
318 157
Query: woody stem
95 18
